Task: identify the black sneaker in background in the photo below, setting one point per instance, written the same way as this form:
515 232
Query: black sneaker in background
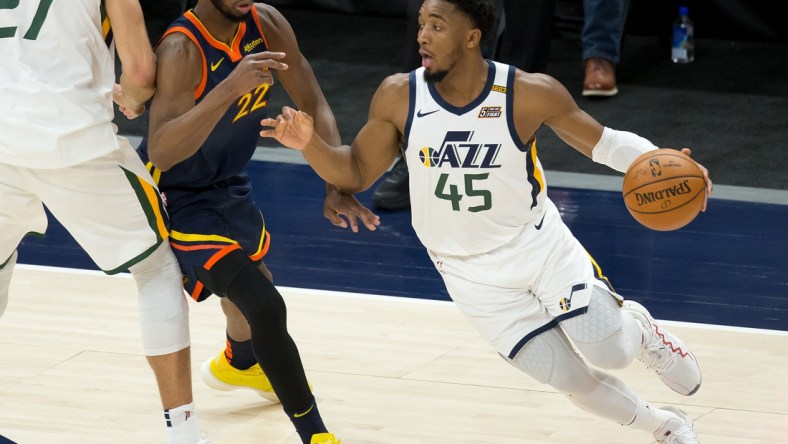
393 192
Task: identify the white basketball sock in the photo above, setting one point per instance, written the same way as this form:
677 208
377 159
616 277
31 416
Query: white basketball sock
182 425
654 420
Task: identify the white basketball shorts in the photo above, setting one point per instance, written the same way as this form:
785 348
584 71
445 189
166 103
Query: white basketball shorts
514 292
108 204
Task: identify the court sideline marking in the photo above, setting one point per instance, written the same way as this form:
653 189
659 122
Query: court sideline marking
397 299
561 179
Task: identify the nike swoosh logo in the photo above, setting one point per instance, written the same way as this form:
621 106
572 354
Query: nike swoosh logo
214 66
420 114
299 415
539 225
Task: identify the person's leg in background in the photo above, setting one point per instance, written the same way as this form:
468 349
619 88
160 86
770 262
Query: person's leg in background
527 35
601 41
392 192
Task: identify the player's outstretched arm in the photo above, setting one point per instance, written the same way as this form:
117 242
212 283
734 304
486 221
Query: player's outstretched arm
558 110
299 79
351 168
340 208
548 102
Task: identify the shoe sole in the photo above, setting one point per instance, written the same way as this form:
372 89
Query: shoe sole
640 311
600 92
213 382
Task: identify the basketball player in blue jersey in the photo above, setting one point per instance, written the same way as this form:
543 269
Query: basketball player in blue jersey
215 70
466 127
58 148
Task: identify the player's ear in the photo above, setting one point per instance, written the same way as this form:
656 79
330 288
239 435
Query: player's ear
474 38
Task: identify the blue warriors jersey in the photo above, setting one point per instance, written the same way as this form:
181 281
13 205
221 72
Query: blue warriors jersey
230 146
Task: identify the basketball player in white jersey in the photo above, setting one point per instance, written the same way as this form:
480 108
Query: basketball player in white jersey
58 148
479 203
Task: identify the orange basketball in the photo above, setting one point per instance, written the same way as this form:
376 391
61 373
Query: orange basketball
664 189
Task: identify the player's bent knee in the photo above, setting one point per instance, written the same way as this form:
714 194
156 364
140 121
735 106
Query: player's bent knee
601 321
613 357
239 279
164 312
258 300
600 333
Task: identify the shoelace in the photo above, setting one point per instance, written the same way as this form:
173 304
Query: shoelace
657 356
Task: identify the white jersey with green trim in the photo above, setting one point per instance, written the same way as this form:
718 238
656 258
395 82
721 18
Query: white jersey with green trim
56 83
474 184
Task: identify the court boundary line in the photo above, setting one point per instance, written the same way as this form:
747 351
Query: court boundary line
406 299
560 179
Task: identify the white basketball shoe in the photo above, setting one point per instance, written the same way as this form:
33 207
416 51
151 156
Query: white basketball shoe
665 353
674 432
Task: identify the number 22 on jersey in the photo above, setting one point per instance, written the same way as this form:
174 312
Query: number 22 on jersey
252 101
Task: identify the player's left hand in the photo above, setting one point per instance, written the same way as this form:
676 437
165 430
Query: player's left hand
131 112
709 185
338 204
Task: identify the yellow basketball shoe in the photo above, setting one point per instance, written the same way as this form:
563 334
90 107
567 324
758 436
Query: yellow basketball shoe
324 438
220 375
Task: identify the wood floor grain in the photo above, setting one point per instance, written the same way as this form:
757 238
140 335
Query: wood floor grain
384 369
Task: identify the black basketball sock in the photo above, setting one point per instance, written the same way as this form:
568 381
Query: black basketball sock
307 422
239 353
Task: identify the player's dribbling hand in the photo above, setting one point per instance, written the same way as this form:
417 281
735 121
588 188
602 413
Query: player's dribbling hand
709 185
338 204
254 70
293 129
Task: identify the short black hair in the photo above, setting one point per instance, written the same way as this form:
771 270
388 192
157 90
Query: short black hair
482 13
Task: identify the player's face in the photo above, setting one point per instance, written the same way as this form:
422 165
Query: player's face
233 10
443 31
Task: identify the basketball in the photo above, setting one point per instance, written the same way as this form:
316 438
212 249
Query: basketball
664 189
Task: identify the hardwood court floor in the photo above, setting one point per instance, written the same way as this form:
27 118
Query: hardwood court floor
385 370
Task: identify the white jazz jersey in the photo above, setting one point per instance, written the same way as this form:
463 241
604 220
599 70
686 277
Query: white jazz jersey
479 184
56 82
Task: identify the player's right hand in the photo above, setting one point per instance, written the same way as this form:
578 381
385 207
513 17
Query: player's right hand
293 129
254 70
130 111
339 204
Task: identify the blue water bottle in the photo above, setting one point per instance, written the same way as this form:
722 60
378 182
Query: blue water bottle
683 50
